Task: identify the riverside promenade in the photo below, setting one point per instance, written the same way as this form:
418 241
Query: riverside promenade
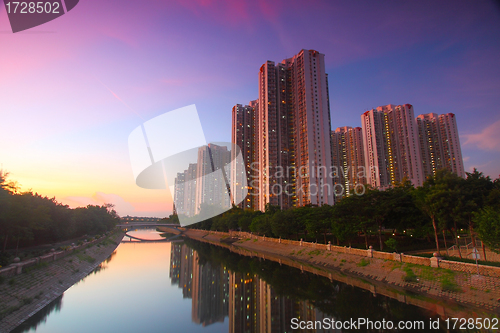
467 293
23 295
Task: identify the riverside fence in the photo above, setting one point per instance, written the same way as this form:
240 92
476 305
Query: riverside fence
371 253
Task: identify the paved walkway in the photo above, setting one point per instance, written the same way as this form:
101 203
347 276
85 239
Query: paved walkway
24 295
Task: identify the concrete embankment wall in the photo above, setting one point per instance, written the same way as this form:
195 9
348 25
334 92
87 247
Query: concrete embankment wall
37 286
18 268
370 253
374 286
171 230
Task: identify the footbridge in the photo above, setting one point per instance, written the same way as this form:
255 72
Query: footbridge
176 238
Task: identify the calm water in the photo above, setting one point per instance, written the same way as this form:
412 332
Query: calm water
195 287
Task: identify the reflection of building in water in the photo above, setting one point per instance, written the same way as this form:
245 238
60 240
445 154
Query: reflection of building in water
186 274
254 306
203 182
251 304
181 267
244 312
175 263
210 293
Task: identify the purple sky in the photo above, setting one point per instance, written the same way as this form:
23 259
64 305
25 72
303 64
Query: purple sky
72 90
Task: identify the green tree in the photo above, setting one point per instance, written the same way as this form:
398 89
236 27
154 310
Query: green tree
280 225
488 227
475 193
262 225
245 219
426 199
346 219
317 221
6 193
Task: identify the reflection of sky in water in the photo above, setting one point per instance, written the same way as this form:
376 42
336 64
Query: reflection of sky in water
146 234
134 294
141 289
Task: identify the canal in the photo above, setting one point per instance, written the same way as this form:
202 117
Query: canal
189 286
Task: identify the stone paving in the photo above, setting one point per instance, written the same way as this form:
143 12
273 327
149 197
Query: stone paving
23 295
480 292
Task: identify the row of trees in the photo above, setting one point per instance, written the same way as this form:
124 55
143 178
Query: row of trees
444 205
29 219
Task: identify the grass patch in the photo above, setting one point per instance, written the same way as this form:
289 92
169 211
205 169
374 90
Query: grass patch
107 241
315 253
410 275
426 272
363 263
255 240
300 252
9 310
328 254
396 265
343 260
85 257
27 300
447 284
37 266
292 253
12 282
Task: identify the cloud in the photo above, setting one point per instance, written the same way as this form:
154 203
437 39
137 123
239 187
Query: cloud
488 139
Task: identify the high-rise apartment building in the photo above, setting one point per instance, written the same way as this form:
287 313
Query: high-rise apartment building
392 150
439 143
348 160
204 182
185 191
310 110
211 186
274 138
292 150
243 176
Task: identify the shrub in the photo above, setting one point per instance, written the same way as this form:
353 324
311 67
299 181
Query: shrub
391 244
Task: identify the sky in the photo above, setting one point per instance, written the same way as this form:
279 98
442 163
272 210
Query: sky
73 89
